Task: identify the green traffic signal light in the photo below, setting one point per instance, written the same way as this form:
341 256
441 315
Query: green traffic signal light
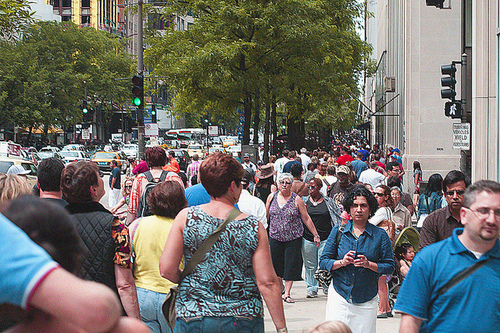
84 107
137 101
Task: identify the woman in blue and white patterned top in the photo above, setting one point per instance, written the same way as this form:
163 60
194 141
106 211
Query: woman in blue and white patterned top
223 292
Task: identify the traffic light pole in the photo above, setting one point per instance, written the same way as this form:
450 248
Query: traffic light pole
140 69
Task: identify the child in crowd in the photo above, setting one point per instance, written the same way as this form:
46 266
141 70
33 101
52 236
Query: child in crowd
405 254
127 187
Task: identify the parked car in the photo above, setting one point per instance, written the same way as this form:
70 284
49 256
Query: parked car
195 148
69 156
7 162
182 157
234 150
74 147
49 151
131 150
103 160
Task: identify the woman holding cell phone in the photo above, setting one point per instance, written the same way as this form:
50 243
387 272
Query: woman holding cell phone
363 253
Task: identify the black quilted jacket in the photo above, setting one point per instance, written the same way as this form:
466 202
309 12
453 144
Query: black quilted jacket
93 223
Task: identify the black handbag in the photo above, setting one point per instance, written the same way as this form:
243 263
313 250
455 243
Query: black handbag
324 277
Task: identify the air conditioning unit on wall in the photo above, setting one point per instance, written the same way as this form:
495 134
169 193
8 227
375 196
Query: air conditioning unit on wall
390 84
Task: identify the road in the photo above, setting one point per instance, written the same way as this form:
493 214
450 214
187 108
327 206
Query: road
305 312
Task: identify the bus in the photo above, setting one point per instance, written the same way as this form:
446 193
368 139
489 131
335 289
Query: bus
185 136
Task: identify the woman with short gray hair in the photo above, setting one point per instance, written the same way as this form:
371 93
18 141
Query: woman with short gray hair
285 213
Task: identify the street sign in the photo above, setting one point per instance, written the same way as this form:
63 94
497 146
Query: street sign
213 130
86 134
241 111
150 130
240 128
242 119
461 136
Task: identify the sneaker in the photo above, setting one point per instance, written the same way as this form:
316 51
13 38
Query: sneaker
312 294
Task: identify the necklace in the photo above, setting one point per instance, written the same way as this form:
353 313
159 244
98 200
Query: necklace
314 202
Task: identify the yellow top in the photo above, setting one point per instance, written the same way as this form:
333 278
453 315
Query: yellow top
148 242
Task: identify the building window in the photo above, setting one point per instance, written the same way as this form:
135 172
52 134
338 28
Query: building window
66 3
65 18
85 19
85 3
54 3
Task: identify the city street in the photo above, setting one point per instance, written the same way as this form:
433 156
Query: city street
305 312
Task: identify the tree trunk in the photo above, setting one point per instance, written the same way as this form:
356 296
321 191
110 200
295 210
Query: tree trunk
247 107
267 132
256 119
273 126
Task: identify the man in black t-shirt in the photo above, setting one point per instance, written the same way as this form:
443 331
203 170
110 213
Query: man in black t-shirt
114 185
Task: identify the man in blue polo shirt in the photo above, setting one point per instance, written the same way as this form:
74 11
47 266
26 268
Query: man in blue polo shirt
473 304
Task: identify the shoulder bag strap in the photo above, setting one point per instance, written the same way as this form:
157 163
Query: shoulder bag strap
337 240
207 244
427 203
457 278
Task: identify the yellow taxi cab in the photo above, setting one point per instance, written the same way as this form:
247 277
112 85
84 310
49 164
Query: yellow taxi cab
195 148
7 162
103 160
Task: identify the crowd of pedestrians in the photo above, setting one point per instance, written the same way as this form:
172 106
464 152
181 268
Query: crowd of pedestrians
268 225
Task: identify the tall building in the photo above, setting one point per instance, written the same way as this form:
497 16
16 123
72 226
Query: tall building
410 43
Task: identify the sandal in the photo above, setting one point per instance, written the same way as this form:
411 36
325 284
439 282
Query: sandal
288 299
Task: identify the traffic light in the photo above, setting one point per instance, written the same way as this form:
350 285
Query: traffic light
435 3
153 113
448 81
283 123
84 106
138 90
453 110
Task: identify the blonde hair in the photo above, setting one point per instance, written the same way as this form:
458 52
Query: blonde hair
330 327
13 186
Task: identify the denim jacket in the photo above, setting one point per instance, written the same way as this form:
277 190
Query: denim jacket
358 284
333 209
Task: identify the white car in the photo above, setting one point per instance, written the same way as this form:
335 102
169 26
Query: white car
131 150
195 148
69 156
234 150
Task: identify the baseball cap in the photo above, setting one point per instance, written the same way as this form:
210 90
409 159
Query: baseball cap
343 169
395 150
246 155
17 170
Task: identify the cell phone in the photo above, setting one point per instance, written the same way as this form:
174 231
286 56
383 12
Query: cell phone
356 256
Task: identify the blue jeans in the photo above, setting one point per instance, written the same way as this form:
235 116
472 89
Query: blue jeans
220 325
150 303
311 255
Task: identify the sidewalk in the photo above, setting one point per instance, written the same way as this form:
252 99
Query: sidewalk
308 312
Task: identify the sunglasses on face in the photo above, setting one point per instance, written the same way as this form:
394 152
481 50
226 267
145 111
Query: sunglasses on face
451 193
379 194
285 183
311 187
128 186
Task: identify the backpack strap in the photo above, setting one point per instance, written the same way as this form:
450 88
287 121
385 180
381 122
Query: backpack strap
149 176
163 176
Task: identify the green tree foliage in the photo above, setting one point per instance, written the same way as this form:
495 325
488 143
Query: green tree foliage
15 17
252 53
45 75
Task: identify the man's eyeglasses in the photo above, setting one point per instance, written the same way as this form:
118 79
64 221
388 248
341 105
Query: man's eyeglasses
451 193
379 194
484 213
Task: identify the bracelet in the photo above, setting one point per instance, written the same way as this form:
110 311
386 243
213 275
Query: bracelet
316 236
341 262
282 330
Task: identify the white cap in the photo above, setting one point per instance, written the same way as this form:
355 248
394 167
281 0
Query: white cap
17 170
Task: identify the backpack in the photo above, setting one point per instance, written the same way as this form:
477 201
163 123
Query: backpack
143 204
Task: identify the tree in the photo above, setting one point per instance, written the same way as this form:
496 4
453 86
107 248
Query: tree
46 74
15 18
253 54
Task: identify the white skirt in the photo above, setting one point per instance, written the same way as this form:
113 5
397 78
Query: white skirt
361 318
